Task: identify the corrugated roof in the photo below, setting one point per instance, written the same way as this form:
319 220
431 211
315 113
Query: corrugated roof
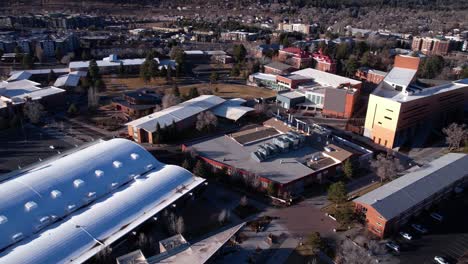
325 78
68 209
232 109
70 80
399 195
177 113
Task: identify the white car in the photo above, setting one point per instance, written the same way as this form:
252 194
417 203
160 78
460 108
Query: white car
419 228
393 246
440 260
437 217
406 235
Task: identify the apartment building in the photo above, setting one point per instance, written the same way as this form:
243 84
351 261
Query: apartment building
402 111
295 27
391 206
429 46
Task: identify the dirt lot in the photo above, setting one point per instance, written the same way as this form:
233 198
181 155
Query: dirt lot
116 84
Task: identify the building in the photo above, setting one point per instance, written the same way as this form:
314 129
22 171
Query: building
370 75
295 27
112 63
18 92
176 249
295 57
238 36
69 208
391 206
400 108
266 49
290 99
137 103
324 62
275 154
431 46
184 115
277 68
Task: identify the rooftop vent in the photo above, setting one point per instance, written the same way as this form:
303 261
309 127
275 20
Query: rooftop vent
91 195
114 185
17 237
99 173
44 220
134 156
55 194
3 219
78 183
149 166
117 164
29 206
71 208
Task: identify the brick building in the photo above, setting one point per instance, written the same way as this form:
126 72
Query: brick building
295 57
390 207
370 75
138 103
278 68
431 46
324 62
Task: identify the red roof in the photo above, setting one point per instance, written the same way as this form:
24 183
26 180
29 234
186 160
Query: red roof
297 52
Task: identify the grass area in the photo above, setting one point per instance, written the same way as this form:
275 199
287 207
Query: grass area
117 84
231 90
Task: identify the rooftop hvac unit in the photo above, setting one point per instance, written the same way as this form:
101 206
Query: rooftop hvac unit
55 194
329 149
149 166
264 151
257 156
114 185
29 206
117 164
99 173
3 219
17 237
44 220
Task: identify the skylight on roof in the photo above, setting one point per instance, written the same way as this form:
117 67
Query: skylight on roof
78 183
99 173
117 164
3 219
29 206
134 156
55 194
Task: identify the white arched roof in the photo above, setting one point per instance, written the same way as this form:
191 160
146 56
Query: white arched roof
58 211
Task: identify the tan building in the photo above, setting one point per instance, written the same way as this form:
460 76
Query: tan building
430 46
294 27
401 112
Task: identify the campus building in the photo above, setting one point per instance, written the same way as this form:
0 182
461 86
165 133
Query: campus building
69 208
401 108
137 103
391 206
277 68
431 46
370 75
324 62
295 27
184 115
295 57
276 154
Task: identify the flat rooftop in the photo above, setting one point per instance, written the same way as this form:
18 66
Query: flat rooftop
282 167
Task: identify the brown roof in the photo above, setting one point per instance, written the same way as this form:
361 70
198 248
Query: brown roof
254 134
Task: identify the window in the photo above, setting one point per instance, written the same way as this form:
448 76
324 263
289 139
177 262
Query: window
379 123
386 117
379 224
385 143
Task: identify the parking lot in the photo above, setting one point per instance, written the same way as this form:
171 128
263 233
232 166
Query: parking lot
20 147
448 238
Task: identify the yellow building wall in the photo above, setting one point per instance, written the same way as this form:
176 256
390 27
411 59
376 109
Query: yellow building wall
382 120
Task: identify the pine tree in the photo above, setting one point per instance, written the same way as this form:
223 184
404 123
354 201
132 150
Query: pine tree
200 169
348 169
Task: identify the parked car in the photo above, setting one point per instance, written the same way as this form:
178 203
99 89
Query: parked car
440 260
419 228
437 217
393 246
406 235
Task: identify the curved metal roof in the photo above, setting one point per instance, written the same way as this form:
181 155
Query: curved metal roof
70 208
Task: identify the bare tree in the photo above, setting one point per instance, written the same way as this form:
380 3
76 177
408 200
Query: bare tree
93 99
223 216
386 166
206 121
260 109
169 100
104 256
205 91
34 111
351 253
180 226
455 134
157 108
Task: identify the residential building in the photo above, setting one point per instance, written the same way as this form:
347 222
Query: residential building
431 46
295 57
388 208
47 47
295 27
401 108
69 208
238 36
